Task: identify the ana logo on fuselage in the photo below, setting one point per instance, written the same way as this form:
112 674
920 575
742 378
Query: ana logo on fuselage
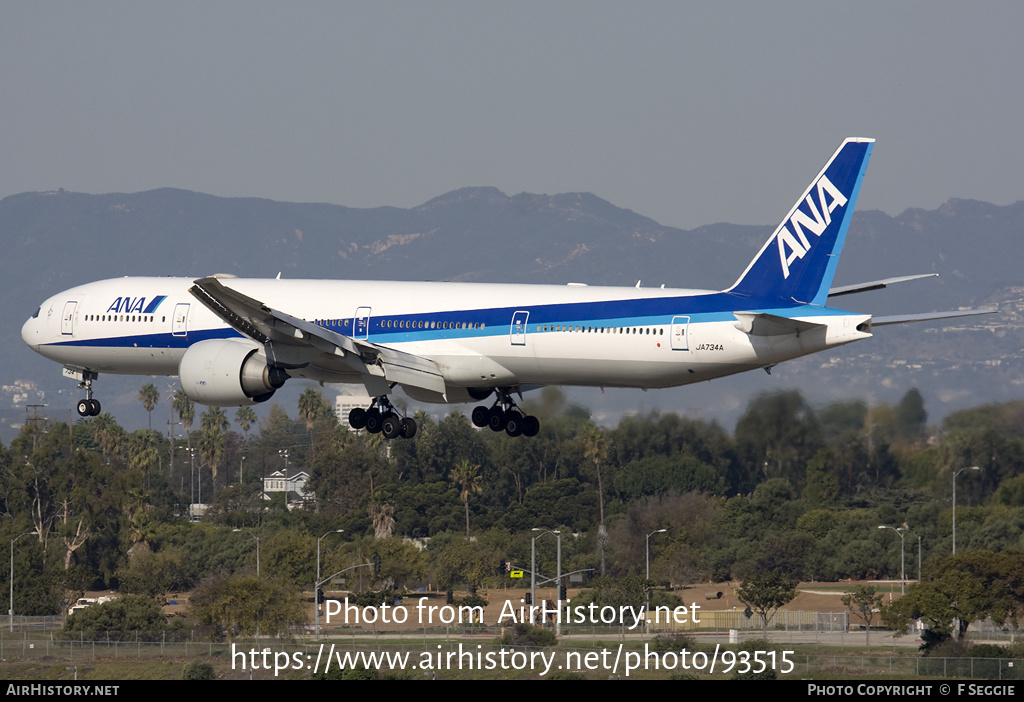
797 241
128 305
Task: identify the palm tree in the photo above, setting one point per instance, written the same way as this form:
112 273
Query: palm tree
187 414
312 407
144 452
149 396
596 450
185 409
215 419
466 477
211 439
108 433
245 417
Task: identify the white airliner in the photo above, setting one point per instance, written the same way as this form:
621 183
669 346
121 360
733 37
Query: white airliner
234 341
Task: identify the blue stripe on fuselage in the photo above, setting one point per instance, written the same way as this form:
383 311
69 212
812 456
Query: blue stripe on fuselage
713 307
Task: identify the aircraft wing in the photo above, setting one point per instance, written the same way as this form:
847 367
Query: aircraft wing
274 328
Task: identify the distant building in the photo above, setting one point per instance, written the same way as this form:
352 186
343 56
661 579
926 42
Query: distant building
294 485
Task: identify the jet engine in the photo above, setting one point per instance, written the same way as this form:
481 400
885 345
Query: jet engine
228 372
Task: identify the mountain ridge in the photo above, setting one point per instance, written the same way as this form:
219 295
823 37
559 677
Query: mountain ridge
57 239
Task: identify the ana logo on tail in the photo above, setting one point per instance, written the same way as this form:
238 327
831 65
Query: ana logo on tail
799 244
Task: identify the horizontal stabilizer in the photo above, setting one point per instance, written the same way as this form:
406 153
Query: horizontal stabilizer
875 284
927 316
761 324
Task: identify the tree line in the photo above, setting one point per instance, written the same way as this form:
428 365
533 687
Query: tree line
793 488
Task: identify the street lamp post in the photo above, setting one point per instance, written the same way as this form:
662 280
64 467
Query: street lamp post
11 610
648 572
558 576
903 578
918 550
246 531
954 502
647 576
192 477
316 585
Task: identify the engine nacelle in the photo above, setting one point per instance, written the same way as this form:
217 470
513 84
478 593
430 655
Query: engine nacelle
228 372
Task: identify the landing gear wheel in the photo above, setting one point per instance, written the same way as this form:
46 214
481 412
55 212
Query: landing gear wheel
391 425
481 416
373 420
408 428
513 423
496 421
357 418
382 418
88 407
531 425
505 415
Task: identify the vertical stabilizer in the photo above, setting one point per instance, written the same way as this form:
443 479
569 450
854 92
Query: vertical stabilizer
798 262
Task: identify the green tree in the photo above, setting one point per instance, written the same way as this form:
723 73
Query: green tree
342 476
186 412
185 409
596 452
149 396
241 605
144 451
108 432
766 593
312 408
864 601
466 478
958 590
458 561
245 417
910 416
156 573
777 436
211 440
402 564
122 619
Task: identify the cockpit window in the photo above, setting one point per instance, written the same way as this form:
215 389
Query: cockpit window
36 315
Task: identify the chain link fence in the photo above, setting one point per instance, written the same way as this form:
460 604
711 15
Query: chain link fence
36 645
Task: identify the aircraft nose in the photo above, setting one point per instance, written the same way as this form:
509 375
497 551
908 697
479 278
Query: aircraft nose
30 331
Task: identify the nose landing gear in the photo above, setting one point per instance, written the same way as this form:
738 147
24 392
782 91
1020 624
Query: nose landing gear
88 407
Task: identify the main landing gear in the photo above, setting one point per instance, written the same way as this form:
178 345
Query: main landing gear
504 414
88 407
382 418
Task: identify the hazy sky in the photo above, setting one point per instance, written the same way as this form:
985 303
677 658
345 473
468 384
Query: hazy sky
687 112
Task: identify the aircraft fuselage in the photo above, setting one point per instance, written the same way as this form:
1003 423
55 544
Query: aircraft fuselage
480 335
